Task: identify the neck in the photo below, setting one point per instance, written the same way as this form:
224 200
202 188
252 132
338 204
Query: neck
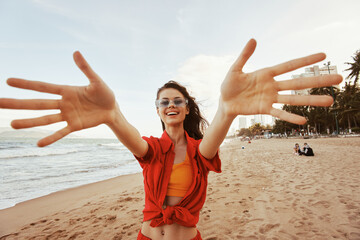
176 134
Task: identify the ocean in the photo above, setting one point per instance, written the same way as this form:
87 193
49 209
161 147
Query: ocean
27 171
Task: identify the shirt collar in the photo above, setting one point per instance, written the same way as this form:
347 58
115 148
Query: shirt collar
167 144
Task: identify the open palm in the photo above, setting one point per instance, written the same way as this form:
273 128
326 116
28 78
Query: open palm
256 92
81 107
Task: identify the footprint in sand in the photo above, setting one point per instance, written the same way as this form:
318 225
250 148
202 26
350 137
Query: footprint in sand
303 187
94 210
283 234
354 235
351 206
268 227
77 234
324 204
10 236
57 235
325 218
110 218
243 202
211 238
116 208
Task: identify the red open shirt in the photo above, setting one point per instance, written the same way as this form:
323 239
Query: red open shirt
157 166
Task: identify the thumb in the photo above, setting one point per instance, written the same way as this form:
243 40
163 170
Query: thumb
245 55
85 67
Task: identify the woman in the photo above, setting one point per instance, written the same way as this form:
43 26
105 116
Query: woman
175 172
172 215
297 150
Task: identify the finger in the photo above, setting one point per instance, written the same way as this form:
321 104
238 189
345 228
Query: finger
245 55
307 100
296 63
85 67
35 122
309 82
54 137
35 85
29 104
289 117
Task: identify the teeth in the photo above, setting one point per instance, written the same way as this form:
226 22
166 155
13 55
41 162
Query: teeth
171 113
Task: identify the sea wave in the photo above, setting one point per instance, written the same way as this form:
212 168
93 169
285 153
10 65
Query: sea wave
16 154
114 146
28 171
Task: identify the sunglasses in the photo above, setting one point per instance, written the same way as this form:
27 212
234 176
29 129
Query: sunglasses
164 103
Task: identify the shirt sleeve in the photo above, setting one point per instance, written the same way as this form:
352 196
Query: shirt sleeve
149 155
213 164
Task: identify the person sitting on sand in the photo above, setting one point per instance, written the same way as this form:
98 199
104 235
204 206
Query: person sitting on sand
176 165
307 150
297 150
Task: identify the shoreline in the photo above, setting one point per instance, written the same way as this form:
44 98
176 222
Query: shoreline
24 212
264 191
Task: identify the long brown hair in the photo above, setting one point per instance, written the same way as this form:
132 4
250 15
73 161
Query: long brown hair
194 123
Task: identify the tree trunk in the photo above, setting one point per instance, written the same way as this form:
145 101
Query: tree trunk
349 123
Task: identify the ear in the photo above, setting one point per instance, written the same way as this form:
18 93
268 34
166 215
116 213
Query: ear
187 110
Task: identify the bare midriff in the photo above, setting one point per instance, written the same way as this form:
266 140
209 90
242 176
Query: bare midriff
169 232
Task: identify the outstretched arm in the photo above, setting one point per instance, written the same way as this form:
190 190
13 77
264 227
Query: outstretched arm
81 107
256 92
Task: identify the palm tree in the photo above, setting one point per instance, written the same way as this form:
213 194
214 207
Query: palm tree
283 126
354 67
348 105
324 117
299 110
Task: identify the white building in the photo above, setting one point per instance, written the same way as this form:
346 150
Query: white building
311 72
242 122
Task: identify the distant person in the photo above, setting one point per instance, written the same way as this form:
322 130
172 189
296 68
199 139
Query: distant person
297 150
307 150
173 198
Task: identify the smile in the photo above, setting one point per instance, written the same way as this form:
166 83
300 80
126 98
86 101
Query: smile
172 113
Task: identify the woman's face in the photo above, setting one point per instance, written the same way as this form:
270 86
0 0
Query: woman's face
172 115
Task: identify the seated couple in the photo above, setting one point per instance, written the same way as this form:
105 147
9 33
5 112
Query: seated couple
306 150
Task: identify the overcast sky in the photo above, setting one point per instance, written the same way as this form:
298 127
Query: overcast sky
137 46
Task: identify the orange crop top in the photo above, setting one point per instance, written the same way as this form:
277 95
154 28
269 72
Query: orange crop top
180 178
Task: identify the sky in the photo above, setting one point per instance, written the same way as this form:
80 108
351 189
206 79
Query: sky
136 46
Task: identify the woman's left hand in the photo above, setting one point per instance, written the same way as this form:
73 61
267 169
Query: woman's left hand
256 92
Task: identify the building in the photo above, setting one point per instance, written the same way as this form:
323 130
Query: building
242 122
259 119
262 119
311 72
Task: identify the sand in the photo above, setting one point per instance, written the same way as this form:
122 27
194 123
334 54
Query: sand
264 192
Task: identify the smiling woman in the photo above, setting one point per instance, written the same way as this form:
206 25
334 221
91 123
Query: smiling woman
194 123
176 165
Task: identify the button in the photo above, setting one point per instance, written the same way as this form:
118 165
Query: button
164 206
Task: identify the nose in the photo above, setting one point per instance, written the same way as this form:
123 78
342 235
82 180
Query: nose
171 104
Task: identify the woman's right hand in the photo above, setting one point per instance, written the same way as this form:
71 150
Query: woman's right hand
81 107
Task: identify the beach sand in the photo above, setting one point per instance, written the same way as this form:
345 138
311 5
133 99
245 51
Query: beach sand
264 192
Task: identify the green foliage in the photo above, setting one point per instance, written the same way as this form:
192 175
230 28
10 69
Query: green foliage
245 132
256 129
283 126
356 129
354 67
346 107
